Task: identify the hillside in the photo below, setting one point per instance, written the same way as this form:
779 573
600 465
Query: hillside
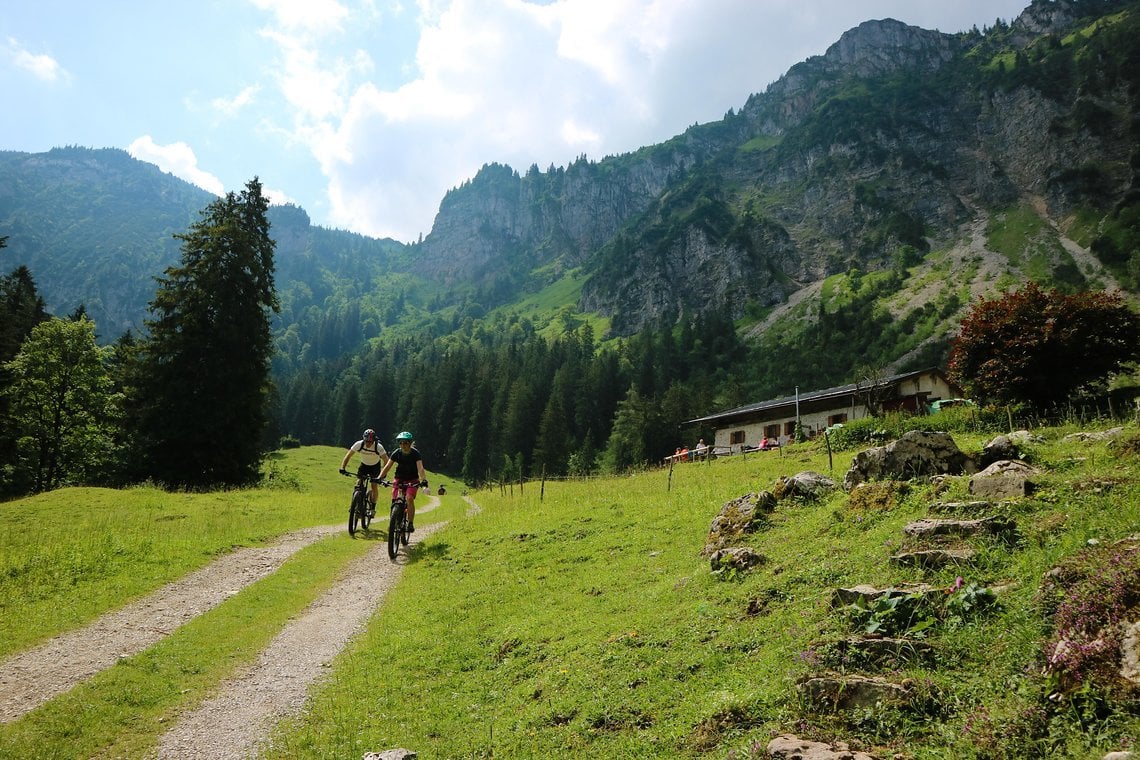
896 145
583 618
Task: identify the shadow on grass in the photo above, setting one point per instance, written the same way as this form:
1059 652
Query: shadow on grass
427 551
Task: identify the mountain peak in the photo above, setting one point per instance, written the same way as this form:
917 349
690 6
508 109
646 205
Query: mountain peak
878 47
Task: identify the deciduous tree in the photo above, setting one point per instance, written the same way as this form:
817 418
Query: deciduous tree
1042 347
61 406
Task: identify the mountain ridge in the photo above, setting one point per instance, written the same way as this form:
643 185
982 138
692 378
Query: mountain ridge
883 153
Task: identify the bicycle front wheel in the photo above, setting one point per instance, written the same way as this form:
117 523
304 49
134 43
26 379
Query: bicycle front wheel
355 511
395 529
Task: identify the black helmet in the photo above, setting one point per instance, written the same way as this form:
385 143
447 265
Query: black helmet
369 435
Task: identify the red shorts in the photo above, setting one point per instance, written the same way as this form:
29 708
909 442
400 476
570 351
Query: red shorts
413 488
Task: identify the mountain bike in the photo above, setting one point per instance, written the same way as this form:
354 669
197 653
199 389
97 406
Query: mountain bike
360 510
397 518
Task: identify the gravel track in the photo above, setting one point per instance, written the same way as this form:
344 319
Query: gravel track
242 710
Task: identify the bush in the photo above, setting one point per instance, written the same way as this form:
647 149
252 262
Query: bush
876 431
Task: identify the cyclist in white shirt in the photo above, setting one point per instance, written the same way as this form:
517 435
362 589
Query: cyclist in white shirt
372 458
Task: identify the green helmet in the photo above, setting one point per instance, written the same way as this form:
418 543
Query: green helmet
405 436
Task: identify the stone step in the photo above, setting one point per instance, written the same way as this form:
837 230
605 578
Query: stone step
828 693
841 597
875 653
791 747
934 526
930 559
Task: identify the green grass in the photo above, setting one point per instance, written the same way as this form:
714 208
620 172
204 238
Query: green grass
761 143
551 308
585 622
1007 233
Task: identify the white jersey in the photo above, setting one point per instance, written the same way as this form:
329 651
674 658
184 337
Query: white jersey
370 456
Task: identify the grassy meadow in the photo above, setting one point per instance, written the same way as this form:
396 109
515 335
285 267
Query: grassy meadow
578 619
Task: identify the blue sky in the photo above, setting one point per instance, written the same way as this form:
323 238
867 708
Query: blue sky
365 112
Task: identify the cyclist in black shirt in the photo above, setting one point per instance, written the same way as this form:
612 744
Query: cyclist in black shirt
410 470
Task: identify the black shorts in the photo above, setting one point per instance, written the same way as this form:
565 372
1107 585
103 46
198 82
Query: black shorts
371 470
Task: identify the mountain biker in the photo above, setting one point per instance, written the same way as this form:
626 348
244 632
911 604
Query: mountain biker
410 470
372 457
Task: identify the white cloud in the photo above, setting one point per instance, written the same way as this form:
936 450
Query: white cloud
278 197
178 159
230 107
522 82
311 16
41 66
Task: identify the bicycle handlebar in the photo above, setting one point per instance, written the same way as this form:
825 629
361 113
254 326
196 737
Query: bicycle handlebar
348 474
403 485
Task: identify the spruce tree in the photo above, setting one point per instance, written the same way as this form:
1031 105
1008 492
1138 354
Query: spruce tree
204 378
21 309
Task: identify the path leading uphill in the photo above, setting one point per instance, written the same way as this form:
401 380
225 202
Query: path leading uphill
243 709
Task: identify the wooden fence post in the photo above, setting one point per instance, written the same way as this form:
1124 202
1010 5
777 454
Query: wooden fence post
827 441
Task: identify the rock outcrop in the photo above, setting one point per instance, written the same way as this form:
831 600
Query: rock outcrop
917 453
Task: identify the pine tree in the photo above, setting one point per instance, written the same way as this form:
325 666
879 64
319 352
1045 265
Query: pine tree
21 309
205 367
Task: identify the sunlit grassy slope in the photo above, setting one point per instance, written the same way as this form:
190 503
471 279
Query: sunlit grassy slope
584 622
578 619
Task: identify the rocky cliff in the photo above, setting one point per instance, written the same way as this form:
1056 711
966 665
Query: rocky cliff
884 146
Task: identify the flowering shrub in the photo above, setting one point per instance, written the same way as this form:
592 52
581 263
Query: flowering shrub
1095 593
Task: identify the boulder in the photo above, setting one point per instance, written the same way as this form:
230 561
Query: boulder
917 453
1130 653
789 747
1004 479
1000 447
804 485
1105 435
390 754
737 557
736 519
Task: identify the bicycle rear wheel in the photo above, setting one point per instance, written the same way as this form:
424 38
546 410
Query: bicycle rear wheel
365 513
395 529
355 511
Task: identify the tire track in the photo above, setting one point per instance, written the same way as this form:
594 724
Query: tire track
239 717
33 677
